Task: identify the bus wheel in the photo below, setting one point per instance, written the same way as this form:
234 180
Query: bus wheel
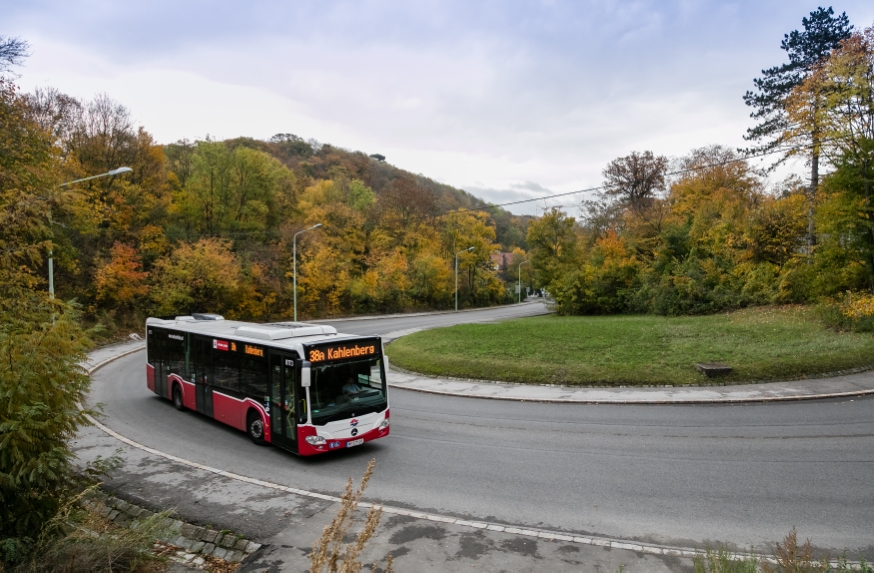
255 427
177 398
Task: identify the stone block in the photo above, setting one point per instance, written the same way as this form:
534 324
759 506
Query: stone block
197 546
235 557
191 531
220 552
208 549
113 514
135 511
714 370
252 547
228 541
146 514
209 535
241 544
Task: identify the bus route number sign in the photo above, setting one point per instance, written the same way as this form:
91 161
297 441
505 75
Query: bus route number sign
340 352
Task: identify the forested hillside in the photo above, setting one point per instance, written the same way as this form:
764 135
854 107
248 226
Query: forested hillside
210 225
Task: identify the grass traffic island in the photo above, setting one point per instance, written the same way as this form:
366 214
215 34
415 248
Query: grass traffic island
772 343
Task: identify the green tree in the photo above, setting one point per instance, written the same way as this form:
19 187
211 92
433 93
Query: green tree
553 244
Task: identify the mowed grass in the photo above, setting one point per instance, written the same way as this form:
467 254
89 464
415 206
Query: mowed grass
774 343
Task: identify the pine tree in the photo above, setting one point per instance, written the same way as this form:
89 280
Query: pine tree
823 32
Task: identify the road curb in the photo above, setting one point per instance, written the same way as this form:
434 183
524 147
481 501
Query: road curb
644 402
433 313
114 358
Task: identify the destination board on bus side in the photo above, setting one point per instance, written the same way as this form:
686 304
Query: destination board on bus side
231 346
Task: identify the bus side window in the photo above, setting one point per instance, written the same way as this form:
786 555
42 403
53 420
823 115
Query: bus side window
175 356
227 370
156 346
253 377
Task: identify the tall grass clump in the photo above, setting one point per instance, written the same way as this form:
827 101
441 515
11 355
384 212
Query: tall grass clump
329 553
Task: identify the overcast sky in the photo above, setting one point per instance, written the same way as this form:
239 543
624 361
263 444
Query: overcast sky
507 99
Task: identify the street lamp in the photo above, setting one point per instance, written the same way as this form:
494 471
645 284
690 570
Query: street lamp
294 257
520 280
456 274
112 173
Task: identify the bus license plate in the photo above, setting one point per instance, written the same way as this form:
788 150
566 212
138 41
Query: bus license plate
357 442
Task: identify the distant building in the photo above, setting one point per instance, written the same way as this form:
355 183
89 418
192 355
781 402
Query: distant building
501 261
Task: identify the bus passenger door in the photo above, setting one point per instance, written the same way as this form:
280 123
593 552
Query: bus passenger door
202 372
283 424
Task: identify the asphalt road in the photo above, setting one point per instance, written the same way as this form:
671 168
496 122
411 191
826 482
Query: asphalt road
679 475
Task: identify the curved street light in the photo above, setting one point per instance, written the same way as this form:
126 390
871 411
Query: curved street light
294 264
113 173
520 280
456 274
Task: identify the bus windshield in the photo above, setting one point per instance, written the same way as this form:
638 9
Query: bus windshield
348 389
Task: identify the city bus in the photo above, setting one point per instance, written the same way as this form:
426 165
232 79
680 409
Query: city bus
302 387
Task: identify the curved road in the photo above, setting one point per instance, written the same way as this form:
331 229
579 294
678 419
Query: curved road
677 475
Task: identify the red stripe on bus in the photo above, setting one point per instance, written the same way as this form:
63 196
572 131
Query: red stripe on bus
150 376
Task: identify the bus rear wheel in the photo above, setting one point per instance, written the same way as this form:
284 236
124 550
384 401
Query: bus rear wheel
255 427
177 398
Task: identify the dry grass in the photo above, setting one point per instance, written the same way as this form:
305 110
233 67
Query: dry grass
330 554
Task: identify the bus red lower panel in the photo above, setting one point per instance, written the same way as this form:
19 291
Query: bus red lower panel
150 377
229 410
305 449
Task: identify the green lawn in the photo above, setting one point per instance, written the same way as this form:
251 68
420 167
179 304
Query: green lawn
760 344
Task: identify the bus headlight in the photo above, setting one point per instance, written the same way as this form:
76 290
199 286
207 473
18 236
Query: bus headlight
384 424
316 440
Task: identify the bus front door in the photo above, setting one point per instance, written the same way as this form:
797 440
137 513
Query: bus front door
283 420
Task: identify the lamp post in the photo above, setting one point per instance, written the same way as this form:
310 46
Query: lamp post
294 264
112 173
456 274
520 280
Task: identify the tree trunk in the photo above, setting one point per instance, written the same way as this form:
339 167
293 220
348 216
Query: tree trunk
870 233
814 183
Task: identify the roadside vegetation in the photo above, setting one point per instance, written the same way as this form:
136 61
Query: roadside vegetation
789 556
770 343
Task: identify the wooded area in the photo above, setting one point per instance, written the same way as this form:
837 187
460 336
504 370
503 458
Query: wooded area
705 232
209 225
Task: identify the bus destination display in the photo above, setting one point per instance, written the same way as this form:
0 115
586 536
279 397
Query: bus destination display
340 352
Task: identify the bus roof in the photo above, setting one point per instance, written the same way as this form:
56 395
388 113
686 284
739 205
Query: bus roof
286 335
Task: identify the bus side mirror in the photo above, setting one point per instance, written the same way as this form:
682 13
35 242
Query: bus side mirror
305 374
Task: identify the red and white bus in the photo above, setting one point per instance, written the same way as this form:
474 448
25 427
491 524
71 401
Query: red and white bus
302 387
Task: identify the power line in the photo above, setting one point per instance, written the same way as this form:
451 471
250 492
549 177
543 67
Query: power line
601 187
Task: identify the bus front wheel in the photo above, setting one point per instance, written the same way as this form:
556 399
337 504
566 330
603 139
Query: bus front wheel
177 398
255 427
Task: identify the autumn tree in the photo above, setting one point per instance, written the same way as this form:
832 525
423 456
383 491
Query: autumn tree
121 281
823 32
844 89
635 182
41 341
196 277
